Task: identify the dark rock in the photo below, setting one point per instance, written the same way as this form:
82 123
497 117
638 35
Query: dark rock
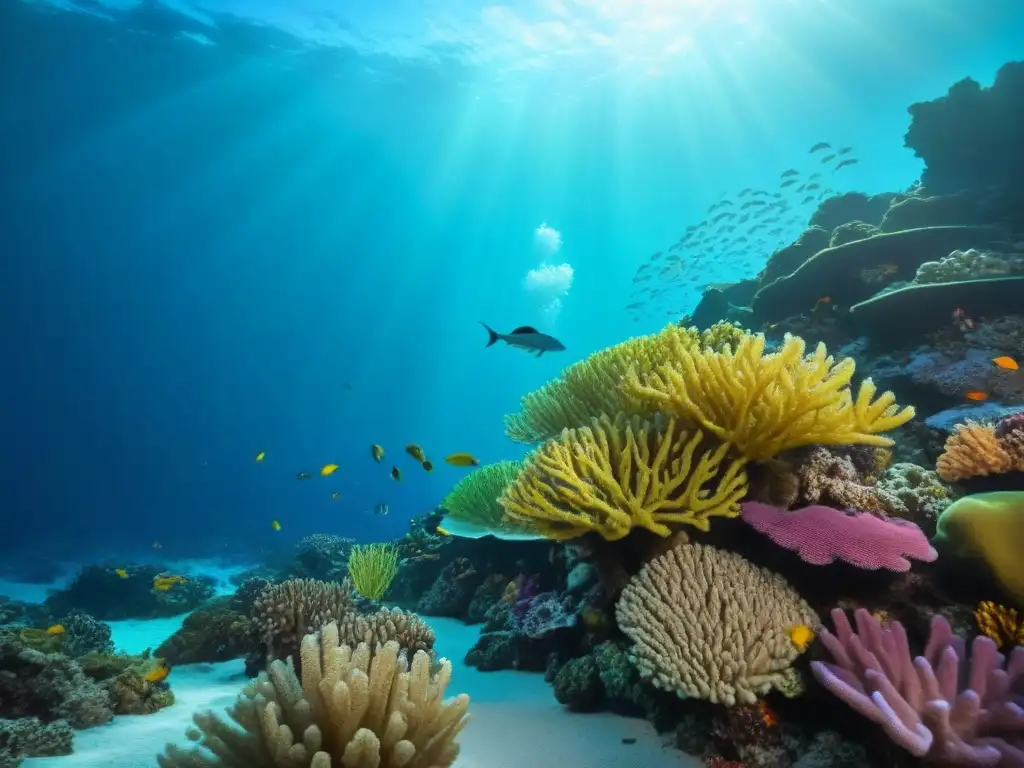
835 211
578 685
452 591
787 260
215 632
850 232
489 593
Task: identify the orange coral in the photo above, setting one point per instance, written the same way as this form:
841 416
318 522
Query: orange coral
826 478
1004 625
974 450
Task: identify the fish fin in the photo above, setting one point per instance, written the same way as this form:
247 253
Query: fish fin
493 334
540 352
525 329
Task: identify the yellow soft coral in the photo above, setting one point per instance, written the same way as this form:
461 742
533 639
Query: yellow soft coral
624 473
973 450
591 387
764 404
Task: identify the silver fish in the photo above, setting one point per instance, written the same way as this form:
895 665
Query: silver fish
525 337
380 509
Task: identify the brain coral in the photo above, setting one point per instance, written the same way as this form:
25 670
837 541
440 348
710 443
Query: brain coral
708 624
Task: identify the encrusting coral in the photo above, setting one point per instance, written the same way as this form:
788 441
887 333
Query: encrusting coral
709 624
764 404
592 386
352 708
624 473
827 478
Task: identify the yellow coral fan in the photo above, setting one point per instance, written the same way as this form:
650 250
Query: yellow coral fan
372 568
624 473
974 450
472 505
709 624
1004 625
590 387
767 403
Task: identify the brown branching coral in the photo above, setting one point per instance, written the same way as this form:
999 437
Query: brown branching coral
1003 625
285 613
974 450
828 478
386 625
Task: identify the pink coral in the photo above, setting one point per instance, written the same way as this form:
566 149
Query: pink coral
934 706
822 535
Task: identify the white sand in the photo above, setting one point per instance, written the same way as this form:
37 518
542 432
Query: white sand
515 720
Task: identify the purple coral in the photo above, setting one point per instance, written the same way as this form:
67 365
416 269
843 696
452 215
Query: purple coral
822 535
1012 423
543 613
919 702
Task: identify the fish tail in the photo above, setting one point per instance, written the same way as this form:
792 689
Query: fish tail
493 334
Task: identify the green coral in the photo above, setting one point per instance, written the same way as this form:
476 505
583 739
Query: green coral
472 505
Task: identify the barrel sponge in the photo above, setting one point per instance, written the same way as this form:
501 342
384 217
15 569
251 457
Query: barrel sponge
352 708
624 473
766 403
591 387
709 624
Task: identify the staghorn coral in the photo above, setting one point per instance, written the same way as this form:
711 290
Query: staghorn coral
831 479
764 404
284 613
384 626
591 387
372 568
973 450
821 535
929 706
624 473
352 708
708 624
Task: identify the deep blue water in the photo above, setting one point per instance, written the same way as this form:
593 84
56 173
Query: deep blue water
219 239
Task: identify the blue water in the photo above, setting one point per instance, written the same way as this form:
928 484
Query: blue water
273 226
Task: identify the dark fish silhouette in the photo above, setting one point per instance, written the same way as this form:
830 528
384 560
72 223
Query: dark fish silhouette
828 158
812 187
525 337
820 145
851 161
844 150
788 183
790 172
808 199
752 204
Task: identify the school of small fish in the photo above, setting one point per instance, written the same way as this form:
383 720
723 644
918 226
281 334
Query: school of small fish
377 454
738 234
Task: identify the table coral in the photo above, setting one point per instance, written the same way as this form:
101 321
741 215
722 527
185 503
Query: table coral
821 535
709 624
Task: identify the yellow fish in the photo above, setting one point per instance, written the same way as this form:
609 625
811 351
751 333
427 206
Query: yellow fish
802 636
164 583
56 629
261 456
336 495
275 525
121 573
442 531
415 451
1006 363
462 460
377 452
328 469
396 474
157 674
428 465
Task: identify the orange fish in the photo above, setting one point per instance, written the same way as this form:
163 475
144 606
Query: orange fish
157 674
977 396
1006 362
822 302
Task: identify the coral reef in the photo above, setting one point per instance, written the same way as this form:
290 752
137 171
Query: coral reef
345 710
216 632
31 737
708 624
970 264
926 705
103 594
